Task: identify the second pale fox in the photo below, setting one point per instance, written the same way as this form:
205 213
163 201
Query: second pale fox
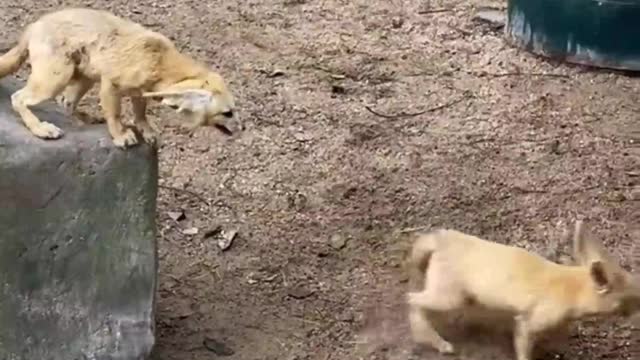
457 270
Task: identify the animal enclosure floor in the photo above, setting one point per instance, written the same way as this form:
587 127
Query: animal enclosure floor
366 118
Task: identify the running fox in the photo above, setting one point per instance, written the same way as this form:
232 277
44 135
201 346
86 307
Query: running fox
458 270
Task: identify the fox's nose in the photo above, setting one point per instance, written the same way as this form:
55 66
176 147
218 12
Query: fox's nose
228 114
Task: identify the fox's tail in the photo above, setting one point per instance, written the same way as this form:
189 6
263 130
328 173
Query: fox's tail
11 61
423 247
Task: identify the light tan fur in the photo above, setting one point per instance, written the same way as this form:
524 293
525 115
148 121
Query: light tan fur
72 49
458 270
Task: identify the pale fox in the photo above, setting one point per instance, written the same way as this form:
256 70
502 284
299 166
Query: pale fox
458 270
72 49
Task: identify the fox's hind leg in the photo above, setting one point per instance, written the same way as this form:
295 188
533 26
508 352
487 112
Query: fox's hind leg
442 291
423 331
78 86
49 76
441 294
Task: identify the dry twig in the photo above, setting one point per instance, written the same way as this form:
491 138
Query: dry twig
496 75
460 30
434 11
413 229
185 191
408 115
528 191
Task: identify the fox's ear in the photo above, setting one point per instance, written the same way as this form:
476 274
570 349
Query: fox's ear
192 100
586 249
579 243
600 277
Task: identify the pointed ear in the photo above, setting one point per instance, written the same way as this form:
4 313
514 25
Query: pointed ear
193 100
578 243
600 277
586 249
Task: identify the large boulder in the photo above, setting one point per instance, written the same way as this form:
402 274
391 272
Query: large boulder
78 259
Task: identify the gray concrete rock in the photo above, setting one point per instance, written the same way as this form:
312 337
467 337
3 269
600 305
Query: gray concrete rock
78 259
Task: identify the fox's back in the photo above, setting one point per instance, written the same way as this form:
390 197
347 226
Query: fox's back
101 45
488 268
82 27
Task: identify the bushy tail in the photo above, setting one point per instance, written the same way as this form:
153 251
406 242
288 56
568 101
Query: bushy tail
423 246
11 61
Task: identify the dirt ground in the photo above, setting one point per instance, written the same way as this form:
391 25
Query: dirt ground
327 179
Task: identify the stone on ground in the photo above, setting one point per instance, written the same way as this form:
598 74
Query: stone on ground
78 257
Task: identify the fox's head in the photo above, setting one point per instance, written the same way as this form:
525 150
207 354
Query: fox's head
617 290
206 101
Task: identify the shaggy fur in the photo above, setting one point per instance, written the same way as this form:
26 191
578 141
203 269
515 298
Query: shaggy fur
72 49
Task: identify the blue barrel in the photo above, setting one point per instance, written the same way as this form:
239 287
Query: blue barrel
597 33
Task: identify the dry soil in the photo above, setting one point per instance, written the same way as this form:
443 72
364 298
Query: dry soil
365 119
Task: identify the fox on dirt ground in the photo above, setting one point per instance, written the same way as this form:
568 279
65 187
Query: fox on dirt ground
456 270
72 49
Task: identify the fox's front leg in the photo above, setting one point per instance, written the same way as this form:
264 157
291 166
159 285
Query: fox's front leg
529 327
111 103
149 134
523 339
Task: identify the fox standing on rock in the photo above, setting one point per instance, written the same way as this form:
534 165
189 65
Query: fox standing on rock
72 49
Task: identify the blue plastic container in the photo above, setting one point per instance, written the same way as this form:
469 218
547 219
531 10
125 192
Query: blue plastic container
597 33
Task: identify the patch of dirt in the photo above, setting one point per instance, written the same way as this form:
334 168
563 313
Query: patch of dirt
320 186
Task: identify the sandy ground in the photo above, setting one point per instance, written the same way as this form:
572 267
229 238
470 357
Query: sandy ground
327 176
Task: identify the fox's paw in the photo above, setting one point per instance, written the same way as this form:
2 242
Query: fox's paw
46 130
128 138
445 347
149 135
65 103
